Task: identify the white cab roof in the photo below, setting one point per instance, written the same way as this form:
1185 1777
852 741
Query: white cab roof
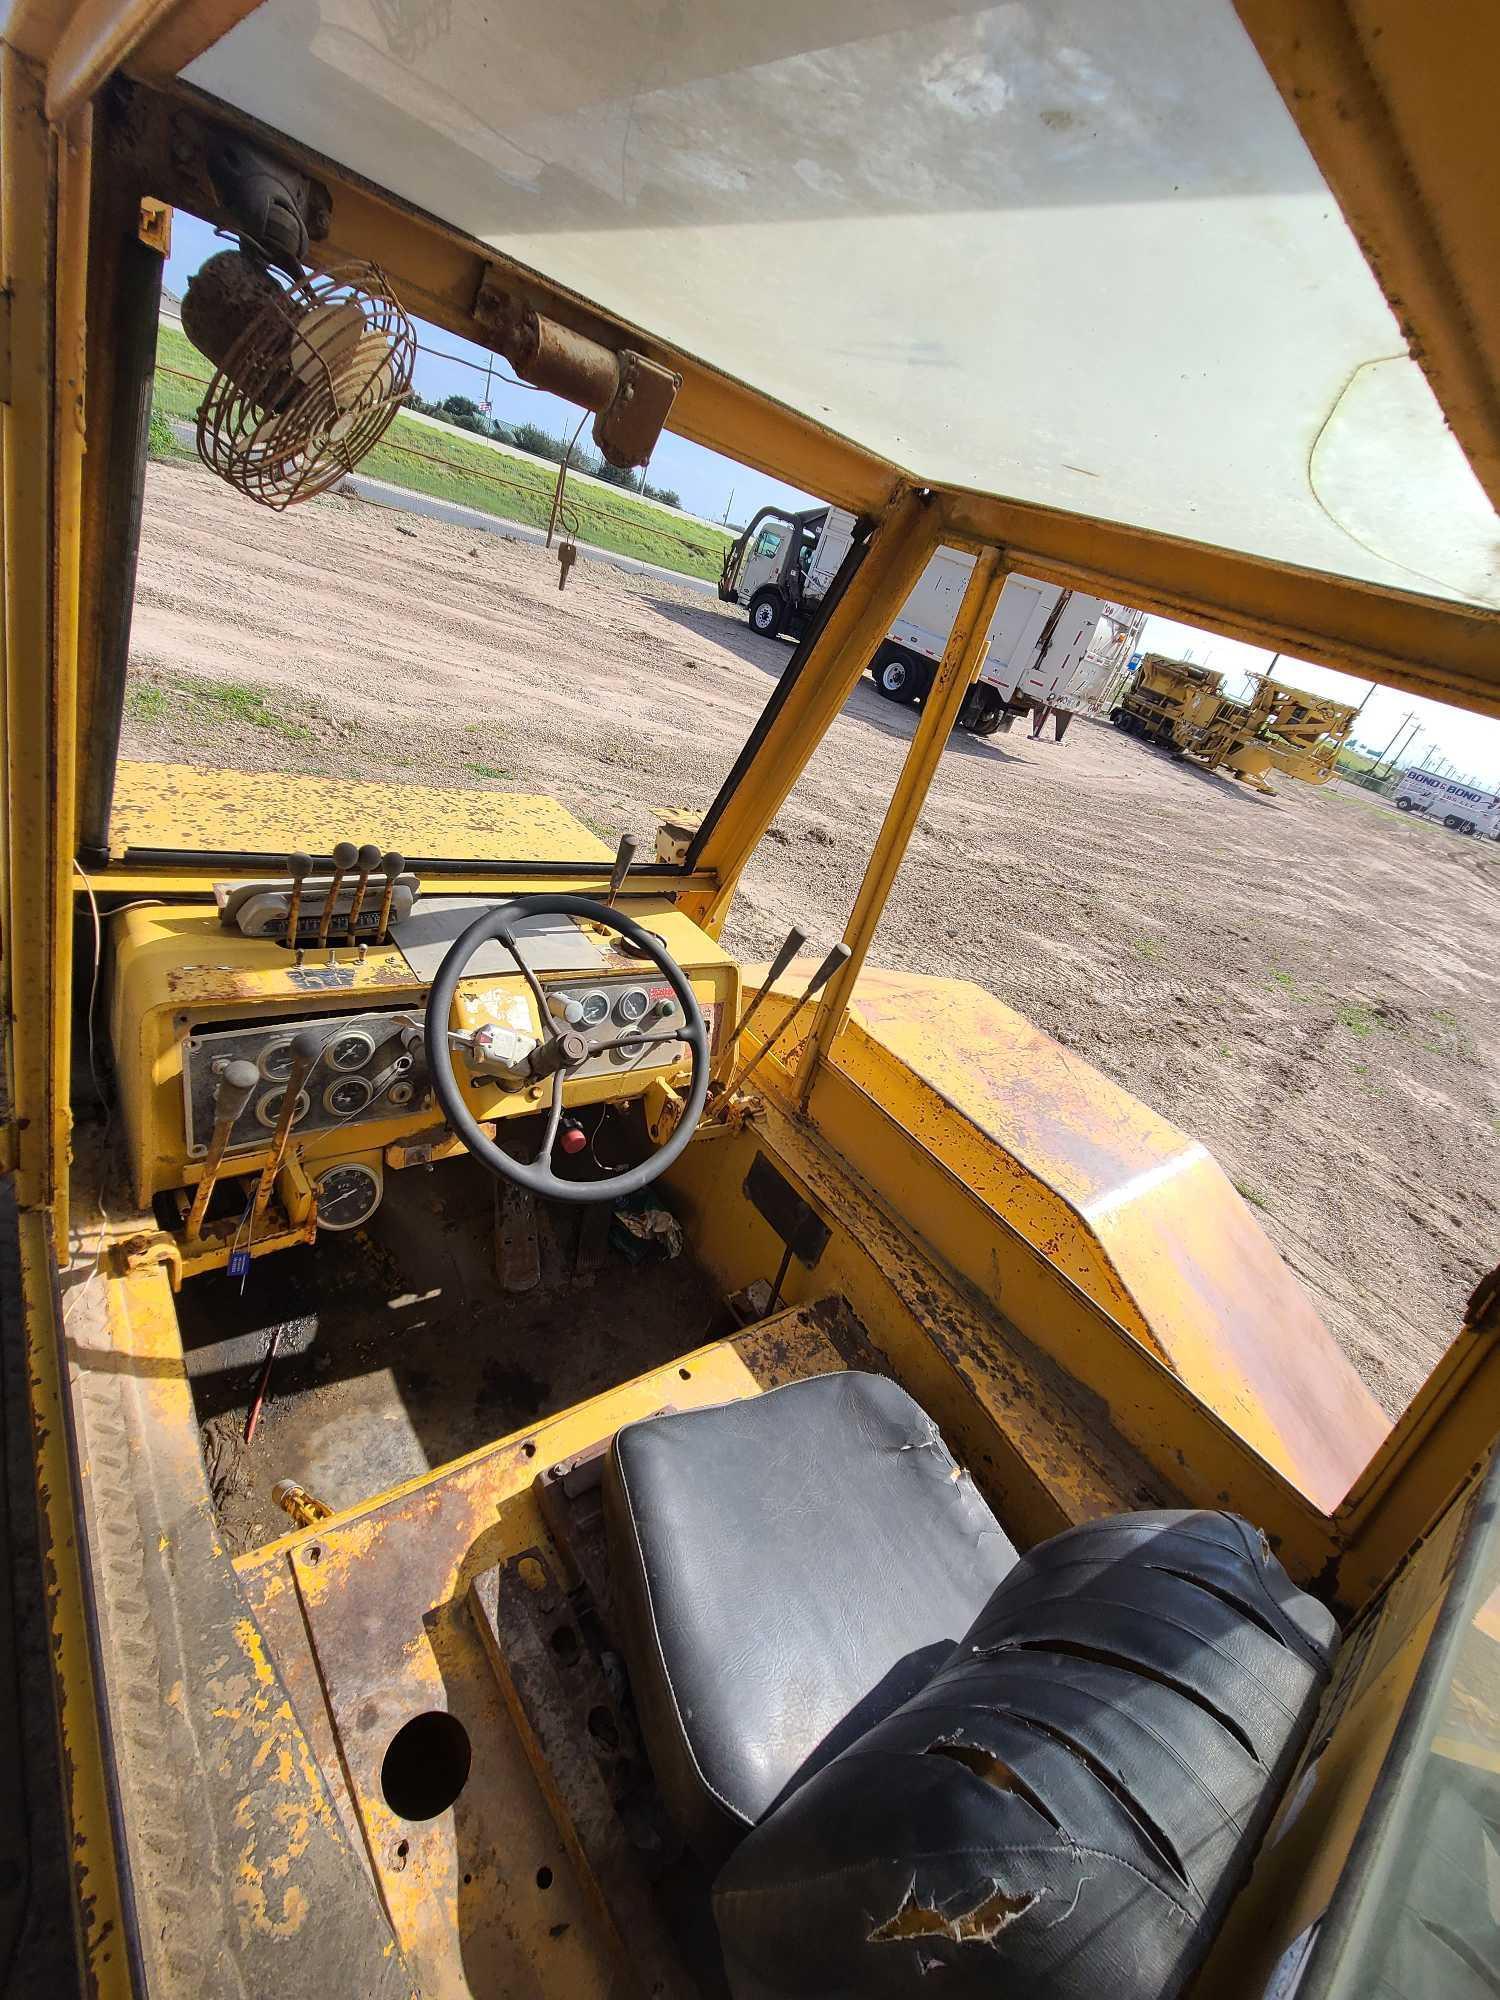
1066 251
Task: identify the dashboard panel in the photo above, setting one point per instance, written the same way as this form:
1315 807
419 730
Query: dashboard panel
188 997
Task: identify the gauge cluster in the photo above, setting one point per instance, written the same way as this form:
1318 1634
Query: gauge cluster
606 1011
370 1066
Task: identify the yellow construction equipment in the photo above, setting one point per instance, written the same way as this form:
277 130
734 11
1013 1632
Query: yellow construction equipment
893 1526
1182 707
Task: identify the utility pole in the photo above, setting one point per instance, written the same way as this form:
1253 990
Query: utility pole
1399 727
727 505
1409 738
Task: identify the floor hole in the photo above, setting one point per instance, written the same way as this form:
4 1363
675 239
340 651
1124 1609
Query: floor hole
426 1765
565 1643
544 1878
602 1728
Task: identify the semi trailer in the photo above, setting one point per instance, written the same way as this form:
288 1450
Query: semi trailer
782 565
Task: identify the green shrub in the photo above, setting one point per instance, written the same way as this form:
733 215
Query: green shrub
161 439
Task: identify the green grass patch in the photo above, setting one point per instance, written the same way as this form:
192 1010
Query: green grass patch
1358 1017
145 703
487 771
512 488
1247 1193
1147 947
204 701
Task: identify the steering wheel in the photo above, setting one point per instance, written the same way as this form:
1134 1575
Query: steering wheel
563 1044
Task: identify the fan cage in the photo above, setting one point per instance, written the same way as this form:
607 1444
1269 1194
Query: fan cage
310 387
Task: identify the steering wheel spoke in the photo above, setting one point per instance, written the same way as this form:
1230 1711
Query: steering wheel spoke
537 1176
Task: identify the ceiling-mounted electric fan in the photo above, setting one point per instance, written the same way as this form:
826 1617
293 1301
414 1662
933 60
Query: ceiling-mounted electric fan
310 365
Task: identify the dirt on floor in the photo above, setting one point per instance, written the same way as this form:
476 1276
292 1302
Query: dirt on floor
1309 983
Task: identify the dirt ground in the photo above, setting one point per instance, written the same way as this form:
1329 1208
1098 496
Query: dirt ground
1309 984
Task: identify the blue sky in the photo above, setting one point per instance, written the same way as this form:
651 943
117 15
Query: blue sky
712 486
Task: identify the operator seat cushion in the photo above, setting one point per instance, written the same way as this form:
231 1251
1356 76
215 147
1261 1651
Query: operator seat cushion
1067 1806
785 1571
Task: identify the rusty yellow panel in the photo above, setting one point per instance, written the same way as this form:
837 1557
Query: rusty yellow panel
1141 1217
1307 1845
181 808
177 966
368 1620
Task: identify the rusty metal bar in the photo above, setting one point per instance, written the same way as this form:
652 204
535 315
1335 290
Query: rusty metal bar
960 661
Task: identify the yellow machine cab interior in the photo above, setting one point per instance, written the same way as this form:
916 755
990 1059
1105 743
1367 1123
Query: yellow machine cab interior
555 1461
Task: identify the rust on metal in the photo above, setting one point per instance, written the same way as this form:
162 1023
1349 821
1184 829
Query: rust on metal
585 1757
542 351
627 430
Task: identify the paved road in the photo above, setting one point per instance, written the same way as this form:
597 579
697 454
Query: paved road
386 495
383 494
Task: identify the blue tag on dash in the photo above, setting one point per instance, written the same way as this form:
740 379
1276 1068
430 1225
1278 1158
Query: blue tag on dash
239 1263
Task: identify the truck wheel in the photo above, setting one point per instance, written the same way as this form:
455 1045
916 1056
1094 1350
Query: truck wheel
1117 717
1403 805
766 613
1450 820
897 679
989 715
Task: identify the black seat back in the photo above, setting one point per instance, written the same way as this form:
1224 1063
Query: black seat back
1068 1805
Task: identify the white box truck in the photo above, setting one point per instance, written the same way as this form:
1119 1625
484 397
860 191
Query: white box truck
780 568
1461 808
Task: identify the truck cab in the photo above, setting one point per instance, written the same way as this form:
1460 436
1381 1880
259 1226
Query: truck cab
544 1456
780 565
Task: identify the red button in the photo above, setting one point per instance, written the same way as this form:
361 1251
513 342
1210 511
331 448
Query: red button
572 1139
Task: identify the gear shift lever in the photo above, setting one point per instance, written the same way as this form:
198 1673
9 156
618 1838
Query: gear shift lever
624 862
237 1080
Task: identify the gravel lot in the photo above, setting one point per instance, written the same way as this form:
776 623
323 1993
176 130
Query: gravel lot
1309 984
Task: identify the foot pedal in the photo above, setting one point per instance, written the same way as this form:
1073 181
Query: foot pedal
518 1256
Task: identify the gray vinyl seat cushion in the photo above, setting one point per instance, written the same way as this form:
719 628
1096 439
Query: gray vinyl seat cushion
914 1751
785 1571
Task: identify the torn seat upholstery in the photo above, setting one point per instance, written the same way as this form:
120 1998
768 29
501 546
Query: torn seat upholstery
1062 1803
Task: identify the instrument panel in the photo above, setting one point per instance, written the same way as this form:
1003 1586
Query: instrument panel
371 1066
193 999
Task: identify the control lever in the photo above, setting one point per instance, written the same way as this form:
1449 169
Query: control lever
795 940
368 858
344 857
624 861
837 957
236 1085
299 867
306 1049
392 863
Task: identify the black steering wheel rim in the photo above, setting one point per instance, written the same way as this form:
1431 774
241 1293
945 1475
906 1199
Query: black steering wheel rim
537 1176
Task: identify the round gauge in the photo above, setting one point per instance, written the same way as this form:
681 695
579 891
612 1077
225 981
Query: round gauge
347 1195
268 1110
594 1008
632 1004
625 1052
276 1060
346 1095
349 1050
